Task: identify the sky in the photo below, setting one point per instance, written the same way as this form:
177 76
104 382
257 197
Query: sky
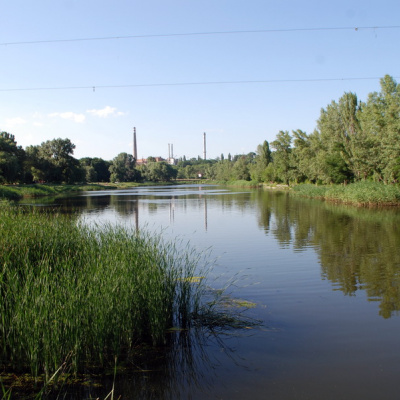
238 70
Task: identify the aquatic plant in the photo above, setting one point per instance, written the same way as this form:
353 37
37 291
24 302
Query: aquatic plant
93 293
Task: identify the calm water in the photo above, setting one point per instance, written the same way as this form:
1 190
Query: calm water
325 278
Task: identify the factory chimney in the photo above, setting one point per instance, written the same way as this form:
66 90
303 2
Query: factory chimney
134 145
204 146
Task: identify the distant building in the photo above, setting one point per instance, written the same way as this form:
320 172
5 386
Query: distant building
144 161
172 161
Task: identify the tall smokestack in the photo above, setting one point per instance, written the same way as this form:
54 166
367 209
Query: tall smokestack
169 151
204 145
134 144
172 151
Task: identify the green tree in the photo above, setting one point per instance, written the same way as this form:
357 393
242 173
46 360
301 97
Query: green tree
264 153
222 171
282 155
52 161
159 172
97 169
262 160
381 122
342 137
11 159
122 169
240 170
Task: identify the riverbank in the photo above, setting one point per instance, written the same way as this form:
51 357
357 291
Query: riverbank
17 192
360 193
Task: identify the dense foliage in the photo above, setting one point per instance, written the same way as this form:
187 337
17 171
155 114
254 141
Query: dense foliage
354 140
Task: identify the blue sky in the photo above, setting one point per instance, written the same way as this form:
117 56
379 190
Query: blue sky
95 91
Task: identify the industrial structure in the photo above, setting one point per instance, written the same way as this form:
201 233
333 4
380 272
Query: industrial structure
170 160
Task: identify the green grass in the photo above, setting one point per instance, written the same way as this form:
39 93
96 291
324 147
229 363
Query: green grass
16 192
360 193
9 193
309 190
88 294
236 183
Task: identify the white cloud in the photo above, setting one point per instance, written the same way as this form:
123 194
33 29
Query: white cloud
105 112
79 118
38 124
13 122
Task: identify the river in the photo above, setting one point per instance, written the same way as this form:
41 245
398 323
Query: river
325 280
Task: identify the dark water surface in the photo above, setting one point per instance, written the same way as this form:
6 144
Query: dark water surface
325 278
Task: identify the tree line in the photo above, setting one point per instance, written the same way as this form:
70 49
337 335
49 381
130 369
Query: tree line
353 140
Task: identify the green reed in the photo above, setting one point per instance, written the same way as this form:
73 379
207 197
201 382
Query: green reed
87 293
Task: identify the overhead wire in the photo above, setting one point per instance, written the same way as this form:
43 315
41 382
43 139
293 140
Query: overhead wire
155 35
95 87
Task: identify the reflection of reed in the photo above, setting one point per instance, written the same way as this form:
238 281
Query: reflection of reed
186 365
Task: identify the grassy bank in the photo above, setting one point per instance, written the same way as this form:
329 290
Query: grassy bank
236 183
16 192
360 193
86 294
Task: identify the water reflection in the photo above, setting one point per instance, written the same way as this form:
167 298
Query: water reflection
357 248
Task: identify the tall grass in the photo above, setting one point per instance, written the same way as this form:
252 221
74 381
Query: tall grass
235 183
360 193
90 293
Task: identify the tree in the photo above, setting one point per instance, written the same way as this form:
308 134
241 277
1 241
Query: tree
282 155
97 169
240 169
11 159
159 172
122 169
222 170
264 153
52 161
262 159
380 121
342 137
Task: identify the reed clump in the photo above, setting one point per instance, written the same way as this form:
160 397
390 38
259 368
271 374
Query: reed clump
89 293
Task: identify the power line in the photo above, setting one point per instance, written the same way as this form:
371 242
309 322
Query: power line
142 36
95 87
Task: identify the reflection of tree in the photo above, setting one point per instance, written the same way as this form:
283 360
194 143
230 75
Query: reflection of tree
357 248
124 206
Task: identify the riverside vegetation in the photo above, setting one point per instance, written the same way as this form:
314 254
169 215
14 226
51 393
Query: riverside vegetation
17 192
354 140
90 294
359 193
